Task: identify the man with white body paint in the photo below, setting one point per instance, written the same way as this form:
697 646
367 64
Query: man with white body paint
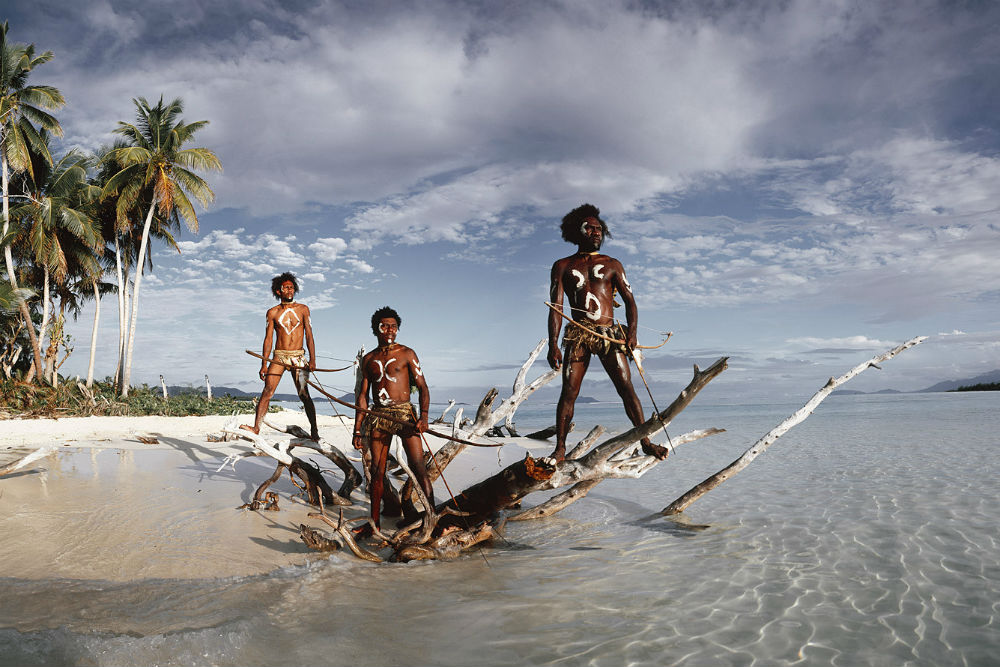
288 327
387 374
589 280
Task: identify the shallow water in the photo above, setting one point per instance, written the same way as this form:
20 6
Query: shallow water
866 536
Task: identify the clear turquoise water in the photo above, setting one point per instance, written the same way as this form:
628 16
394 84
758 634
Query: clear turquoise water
865 536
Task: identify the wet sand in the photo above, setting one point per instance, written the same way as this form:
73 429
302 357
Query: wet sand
106 506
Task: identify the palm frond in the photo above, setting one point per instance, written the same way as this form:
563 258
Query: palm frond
41 118
198 158
195 185
44 96
185 210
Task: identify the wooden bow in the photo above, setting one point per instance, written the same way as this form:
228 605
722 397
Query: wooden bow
602 336
361 409
399 421
298 368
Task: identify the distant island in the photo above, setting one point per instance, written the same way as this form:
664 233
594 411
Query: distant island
239 393
985 382
982 386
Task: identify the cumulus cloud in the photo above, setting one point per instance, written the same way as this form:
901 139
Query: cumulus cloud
806 152
328 249
836 345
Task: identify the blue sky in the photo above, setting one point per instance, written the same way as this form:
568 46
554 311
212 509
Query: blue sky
796 185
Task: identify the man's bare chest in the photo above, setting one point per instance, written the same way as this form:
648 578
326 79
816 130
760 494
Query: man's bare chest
289 320
387 369
591 276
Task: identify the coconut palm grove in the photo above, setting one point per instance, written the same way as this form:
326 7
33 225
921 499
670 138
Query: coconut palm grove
76 226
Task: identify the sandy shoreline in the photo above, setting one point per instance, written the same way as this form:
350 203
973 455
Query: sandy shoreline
106 506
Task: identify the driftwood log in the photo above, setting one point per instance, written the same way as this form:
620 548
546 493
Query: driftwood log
478 513
685 501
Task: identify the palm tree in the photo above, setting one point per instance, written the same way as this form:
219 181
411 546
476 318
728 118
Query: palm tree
122 241
22 107
59 227
155 165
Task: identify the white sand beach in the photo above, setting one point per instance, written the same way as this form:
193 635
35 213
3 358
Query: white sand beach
104 505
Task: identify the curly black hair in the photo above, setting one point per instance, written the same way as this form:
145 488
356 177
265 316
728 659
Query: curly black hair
277 281
571 222
381 314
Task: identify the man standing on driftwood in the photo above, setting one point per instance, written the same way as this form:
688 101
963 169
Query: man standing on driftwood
288 326
388 374
589 280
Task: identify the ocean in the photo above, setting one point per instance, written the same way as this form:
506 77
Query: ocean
865 536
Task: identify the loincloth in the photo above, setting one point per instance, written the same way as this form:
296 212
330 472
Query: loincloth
295 358
578 337
375 419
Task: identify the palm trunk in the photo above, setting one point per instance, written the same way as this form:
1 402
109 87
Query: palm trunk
135 298
42 328
9 259
93 335
122 305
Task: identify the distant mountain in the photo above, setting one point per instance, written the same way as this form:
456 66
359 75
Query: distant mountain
173 390
948 385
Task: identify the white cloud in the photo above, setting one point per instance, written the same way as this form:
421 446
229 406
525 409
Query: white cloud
859 342
361 266
328 249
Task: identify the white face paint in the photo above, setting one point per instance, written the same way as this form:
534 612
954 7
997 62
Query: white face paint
389 337
597 270
596 313
289 320
580 278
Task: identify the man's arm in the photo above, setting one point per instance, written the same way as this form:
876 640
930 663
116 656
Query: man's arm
417 377
268 342
555 322
307 328
361 400
631 312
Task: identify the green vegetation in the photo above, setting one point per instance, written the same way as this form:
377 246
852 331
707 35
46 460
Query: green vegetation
76 227
20 399
986 386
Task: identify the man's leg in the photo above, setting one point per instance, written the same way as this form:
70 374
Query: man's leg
271 379
301 378
616 364
575 365
379 450
415 458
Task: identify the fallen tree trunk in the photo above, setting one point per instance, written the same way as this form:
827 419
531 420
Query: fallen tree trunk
318 491
478 513
685 501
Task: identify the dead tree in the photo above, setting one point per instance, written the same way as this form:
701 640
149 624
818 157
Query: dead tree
478 513
685 501
318 491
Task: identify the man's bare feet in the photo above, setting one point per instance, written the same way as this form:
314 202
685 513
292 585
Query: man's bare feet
659 451
252 429
557 455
